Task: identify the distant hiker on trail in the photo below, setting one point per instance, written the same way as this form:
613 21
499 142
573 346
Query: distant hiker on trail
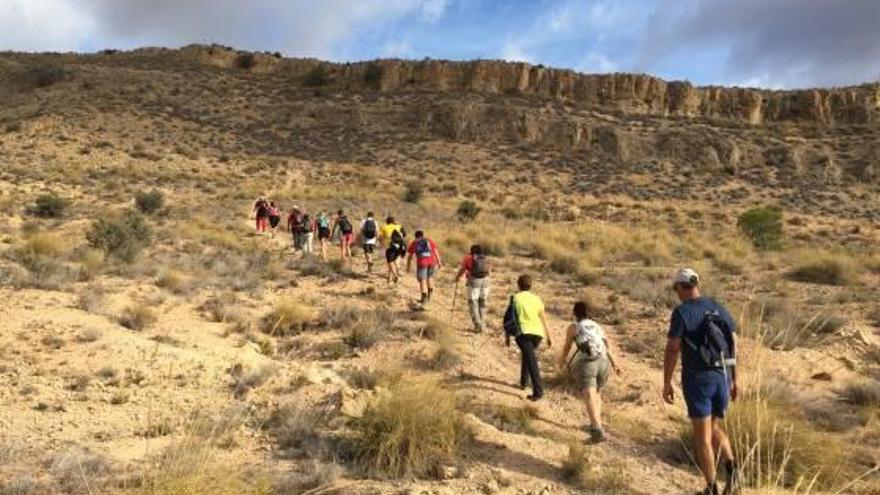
393 237
589 365
346 234
322 228
703 332
274 216
369 239
307 231
294 225
476 266
261 214
526 321
427 262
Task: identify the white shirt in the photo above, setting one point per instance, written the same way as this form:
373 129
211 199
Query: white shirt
374 240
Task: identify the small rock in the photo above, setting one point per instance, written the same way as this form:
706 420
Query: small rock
823 376
490 487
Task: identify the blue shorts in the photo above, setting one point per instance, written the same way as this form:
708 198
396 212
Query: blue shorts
706 394
425 273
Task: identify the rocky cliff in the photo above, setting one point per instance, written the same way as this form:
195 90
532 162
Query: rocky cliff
633 93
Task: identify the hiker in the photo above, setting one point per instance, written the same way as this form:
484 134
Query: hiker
274 216
307 233
703 332
476 266
427 262
393 237
261 214
322 228
589 364
525 313
346 234
369 239
294 222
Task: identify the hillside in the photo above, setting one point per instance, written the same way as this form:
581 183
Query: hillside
172 350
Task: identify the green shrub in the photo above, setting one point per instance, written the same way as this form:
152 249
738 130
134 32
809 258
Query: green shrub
763 225
122 236
245 61
149 202
373 74
48 205
468 211
412 429
316 77
413 192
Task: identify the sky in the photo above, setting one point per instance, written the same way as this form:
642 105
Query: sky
765 43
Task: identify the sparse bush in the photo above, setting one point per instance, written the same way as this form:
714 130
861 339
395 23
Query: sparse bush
468 211
412 192
579 470
245 61
49 205
413 429
40 254
91 263
362 378
173 281
137 317
246 381
149 202
373 74
317 76
122 236
288 318
824 268
296 429
763 225
42 76
370 328
79 470
862 394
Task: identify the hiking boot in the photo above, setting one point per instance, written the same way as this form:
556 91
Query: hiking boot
597 434
535 397
732 487
709 490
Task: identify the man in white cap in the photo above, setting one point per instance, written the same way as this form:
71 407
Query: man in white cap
702 331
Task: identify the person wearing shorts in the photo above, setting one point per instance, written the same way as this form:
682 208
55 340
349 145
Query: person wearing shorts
427 262
475 267
393 237
322 229
707 391
590 364
346 234
369 239
261 215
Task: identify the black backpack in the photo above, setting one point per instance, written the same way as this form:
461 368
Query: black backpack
397 238
511 320
345 225
713 341
305 224
370 229
480 266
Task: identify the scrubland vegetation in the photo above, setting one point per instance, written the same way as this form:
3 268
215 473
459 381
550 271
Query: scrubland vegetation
140 302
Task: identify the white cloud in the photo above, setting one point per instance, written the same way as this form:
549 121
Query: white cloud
513 51
397 49
598 62
46 25
296 27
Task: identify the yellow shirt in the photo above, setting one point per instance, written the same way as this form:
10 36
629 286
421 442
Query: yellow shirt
529 308
386 231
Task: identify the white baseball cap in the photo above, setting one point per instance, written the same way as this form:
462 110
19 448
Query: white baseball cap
685 276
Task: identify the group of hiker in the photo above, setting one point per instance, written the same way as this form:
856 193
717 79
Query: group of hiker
701 331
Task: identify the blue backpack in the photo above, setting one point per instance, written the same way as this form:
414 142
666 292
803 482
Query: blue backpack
511 320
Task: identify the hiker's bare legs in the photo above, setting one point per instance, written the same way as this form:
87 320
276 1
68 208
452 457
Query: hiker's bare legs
720 441
594 406
324 249
703 429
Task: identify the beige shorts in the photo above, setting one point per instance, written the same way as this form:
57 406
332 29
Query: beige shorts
590 373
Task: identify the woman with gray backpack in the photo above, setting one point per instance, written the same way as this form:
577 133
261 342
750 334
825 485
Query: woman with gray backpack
590 364
475 266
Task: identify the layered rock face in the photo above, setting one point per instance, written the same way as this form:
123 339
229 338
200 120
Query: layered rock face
633 93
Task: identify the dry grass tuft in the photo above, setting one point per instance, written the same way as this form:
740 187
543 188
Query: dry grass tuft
137 317
580 470
289 317
820 267
413 429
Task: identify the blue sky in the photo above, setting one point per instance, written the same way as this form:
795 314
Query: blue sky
771 43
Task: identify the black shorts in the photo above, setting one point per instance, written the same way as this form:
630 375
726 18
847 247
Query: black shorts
323 233
392 254
273 221
369 248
